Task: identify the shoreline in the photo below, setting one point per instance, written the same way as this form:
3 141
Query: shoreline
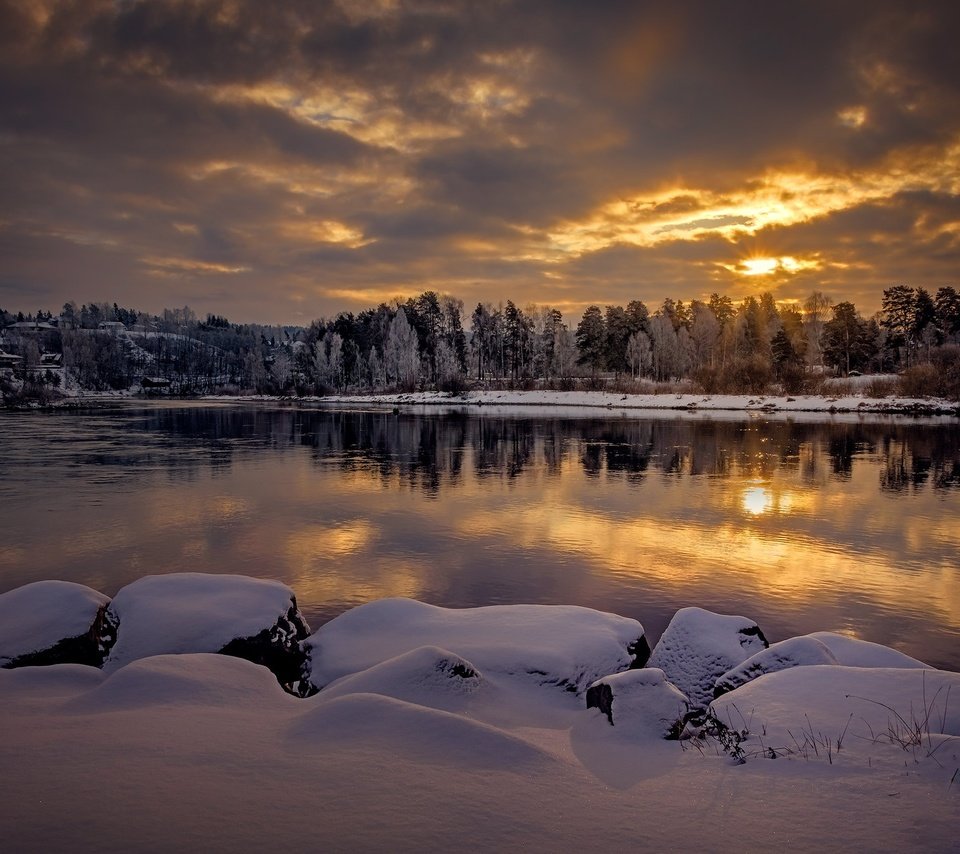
667 402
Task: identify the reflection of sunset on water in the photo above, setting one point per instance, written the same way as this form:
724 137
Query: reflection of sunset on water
847 526
757 500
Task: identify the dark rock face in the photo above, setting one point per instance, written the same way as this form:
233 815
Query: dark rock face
182 613
640 650
600 696
54 622
280 651
90 648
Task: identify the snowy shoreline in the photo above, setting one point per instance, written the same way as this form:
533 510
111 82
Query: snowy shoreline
828 405
848 403
517 727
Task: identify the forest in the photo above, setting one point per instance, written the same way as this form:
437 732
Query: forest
430 342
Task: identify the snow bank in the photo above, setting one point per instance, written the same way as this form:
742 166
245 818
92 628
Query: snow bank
426 736
871 716
194 612
698 647
50 622
199 679
205 752
794 652
853 652
562 645
428 675
419 747
694 402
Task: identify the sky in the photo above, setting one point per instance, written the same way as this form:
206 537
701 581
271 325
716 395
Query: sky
278 162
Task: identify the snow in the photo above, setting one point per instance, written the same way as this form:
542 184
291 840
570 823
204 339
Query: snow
432 732
427 675
875 717
192 612
38 616
853 652
698 647
206 752
640 703
793 652
846 402
563 645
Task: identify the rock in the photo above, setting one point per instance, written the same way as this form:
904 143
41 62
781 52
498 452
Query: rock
795 652
53 622
428 676
853 652
642 702
249 618
561 645
698 647
875 716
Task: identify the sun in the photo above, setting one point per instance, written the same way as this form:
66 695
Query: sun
759 266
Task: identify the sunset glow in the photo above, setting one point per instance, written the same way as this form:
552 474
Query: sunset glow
376 149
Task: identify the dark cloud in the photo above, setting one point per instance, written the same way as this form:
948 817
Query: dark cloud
156 151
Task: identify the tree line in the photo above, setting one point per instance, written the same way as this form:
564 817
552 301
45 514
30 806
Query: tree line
429 342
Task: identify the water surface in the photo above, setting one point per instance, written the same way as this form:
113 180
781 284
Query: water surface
846 524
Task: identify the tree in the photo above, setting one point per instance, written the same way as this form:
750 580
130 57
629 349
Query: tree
591 339
784 353
704 332
664 347
848 343
402 354
618 333
898 317
722 308
947 304
815 309
638 353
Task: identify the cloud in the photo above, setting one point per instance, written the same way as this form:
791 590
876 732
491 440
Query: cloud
286 160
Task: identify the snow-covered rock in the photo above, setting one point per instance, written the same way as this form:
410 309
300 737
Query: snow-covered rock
249 618
794 652
199 680
699 646
641 702
53 622
853 652
428 675
564 645
879 716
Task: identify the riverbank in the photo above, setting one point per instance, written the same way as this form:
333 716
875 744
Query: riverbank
831 404
436 726
849 403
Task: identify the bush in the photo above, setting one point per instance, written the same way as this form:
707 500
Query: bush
793 379
882 387
946 361
707 380
920 381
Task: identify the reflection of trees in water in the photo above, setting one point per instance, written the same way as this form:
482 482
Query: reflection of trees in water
428 452
910 462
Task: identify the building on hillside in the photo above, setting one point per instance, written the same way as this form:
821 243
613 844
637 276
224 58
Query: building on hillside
8 361
113 326
51 360
30 326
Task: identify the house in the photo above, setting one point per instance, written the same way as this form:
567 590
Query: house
113 326
30 326
8 361
155 384
51 360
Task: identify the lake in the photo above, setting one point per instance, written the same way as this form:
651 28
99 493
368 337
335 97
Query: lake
841 523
